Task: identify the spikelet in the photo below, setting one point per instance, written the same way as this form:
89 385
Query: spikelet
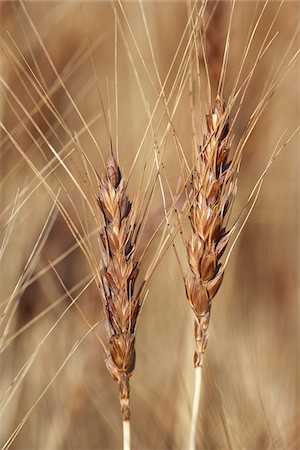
213 187
118 274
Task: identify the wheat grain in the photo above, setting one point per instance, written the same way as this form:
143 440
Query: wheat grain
118 274
213 188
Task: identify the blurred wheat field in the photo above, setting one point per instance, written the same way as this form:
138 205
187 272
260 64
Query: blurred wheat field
53 375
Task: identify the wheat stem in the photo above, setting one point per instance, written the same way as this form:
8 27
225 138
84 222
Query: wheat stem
126 435
195 410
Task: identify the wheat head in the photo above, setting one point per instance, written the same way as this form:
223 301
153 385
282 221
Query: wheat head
213 187
118 274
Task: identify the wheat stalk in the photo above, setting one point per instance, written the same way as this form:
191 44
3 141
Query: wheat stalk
118 273
213 187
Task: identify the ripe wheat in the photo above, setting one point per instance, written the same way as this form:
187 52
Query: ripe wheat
213 187
118 274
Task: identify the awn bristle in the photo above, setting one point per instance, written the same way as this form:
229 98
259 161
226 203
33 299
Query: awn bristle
213 188
118 274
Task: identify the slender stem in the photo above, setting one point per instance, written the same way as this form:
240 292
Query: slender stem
126 435
195 411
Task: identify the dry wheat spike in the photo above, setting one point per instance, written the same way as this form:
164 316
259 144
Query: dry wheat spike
118 273
213 187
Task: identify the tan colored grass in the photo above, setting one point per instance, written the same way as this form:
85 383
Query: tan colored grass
243 376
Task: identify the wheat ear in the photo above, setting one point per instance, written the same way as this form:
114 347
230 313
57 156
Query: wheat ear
213 186
118 273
